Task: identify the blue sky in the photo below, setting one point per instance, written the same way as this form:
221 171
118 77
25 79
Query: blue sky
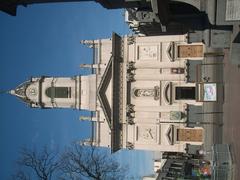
44 40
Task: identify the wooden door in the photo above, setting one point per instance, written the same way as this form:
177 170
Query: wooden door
194 135
186 51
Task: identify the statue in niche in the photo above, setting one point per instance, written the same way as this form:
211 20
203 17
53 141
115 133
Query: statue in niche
144 92
148 92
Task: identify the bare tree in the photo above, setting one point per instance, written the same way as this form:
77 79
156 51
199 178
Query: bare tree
42 164
21 175
76 162
89 162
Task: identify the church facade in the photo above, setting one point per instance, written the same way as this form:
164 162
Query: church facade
139 92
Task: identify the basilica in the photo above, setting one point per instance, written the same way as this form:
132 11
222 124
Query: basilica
140 93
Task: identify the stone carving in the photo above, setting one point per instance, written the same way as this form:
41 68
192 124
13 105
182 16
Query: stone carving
31 92
155 92
130 77
130 66
147 52
130 119
144 92
129 145
175 115
130 114
89 43
130 108
130 40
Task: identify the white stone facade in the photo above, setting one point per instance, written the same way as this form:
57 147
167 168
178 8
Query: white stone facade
139 92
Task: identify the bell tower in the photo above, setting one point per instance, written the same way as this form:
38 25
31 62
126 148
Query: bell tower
78 92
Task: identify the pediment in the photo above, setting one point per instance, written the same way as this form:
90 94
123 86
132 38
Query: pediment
110 94
170 134
104 92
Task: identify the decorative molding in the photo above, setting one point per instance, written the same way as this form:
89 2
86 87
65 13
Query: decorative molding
131 40
171 51
170 135
168 93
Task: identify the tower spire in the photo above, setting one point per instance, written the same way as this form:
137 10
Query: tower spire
58 92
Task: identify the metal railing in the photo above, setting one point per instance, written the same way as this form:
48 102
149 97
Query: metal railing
222 168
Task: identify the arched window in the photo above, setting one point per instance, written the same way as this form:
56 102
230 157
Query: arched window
58 92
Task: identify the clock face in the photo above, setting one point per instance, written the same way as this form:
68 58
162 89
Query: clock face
32 91
147 133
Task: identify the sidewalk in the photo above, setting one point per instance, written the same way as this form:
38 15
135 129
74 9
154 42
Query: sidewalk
213 111
231 109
